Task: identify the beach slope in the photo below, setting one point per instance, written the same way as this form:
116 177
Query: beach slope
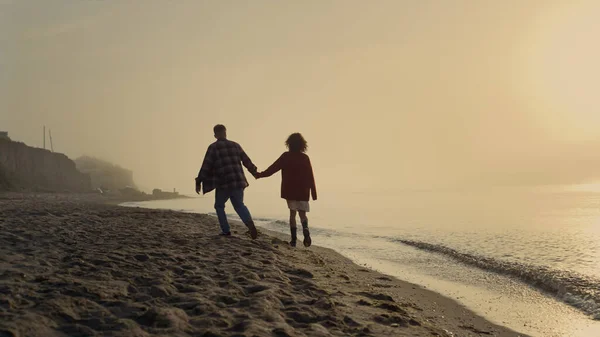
74 267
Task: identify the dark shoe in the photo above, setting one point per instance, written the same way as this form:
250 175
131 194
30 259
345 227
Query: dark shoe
252 229
307 240
225 234
294 236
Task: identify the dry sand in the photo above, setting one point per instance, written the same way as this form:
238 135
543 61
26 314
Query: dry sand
70 266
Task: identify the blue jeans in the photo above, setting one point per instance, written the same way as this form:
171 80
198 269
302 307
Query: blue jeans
237 200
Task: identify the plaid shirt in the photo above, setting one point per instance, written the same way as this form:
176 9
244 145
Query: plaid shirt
222 166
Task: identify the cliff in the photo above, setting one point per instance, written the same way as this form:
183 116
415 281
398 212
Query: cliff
29 168
105 175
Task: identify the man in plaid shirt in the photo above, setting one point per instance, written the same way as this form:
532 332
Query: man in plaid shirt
222 169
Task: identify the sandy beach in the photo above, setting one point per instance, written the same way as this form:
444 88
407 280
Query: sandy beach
71 265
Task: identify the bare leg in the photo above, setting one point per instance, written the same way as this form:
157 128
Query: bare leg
305 231
293 228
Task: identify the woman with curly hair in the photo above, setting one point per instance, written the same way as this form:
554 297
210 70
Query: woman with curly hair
297 183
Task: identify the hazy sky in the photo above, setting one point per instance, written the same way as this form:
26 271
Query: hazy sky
389 94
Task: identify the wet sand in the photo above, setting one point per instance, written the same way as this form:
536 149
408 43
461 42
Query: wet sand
73 266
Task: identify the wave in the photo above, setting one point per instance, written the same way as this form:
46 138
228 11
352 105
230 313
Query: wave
579 291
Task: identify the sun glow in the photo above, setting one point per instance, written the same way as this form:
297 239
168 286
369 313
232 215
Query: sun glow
592 187
562 69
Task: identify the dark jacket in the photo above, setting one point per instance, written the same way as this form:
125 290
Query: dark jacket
222 166
297 178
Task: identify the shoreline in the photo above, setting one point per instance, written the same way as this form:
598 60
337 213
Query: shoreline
89 197
497 296
149 272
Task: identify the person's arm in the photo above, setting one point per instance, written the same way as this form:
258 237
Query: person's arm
207 164
274 168
248 163
313 186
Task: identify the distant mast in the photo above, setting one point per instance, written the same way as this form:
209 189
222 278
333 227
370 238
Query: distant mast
44 137
50 135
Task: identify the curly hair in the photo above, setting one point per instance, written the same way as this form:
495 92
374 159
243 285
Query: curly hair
296 143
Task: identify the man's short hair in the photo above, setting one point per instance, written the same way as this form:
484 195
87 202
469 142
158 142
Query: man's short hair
219 128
